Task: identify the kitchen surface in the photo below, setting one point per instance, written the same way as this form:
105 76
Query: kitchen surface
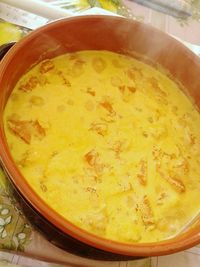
21 244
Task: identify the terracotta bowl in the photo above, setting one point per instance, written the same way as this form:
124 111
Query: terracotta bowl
94 33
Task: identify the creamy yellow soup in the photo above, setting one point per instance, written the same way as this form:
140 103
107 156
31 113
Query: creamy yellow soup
109 142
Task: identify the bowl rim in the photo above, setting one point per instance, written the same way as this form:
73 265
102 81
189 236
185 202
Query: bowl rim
184 241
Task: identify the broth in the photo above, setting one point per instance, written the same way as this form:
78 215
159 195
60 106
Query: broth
109 142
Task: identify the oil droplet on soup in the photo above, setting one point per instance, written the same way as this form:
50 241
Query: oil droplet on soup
109 142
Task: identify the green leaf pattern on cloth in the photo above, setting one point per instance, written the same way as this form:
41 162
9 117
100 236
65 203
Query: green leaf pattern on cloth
195 10
15 231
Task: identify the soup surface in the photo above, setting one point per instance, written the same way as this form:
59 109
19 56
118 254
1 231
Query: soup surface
109 142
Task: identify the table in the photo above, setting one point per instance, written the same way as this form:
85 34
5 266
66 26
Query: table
18 236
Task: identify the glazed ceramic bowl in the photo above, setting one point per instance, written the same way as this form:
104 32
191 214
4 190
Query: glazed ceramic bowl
94 33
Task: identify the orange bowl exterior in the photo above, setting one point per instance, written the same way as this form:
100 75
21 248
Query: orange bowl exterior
96 33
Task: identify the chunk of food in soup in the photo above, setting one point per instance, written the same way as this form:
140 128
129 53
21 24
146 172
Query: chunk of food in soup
109 142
